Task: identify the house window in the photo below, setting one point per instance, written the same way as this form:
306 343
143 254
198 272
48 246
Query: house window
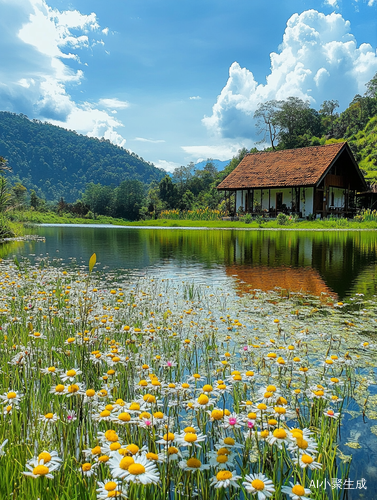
332 199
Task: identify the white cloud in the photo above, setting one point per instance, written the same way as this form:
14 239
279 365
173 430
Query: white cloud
332 3
40 46
169 166
113 103
142 139
318 59
105 31
223 152
195 98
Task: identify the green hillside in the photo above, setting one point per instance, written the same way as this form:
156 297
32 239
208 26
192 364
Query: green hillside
364 146
56 162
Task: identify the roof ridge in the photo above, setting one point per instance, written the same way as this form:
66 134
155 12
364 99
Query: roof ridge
298 149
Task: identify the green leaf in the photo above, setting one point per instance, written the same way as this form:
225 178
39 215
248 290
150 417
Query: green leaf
92 262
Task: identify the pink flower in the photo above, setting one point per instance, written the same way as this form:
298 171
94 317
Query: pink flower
169 364
245 348
250 424
232 421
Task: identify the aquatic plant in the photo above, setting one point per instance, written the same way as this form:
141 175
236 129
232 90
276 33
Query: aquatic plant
156 388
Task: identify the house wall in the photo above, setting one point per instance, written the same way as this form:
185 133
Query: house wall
305 207
338 197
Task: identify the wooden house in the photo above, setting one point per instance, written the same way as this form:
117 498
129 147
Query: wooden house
318 181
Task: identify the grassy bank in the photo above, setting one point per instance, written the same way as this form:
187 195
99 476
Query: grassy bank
9 228
53 218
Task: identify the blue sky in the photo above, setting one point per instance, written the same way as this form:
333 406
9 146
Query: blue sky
179 81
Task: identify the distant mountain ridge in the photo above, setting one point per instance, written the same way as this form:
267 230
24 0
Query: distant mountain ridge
219 164
56 162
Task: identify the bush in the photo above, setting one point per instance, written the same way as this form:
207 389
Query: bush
282 219
248 218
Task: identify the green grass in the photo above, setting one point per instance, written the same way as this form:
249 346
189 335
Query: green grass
53 218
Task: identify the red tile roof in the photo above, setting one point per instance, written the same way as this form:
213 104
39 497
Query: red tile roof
289 167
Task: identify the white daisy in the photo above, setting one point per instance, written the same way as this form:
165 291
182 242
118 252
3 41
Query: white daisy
41 470
305 460
142 471
110 489
296 491
221 459
259 484
87 469
190 439
70 374
331 414
11 397
225 478
48 418
47 457
193 464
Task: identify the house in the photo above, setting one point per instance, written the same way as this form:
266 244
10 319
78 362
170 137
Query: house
318 180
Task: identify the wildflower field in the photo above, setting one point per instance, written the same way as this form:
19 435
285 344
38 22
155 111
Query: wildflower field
114 387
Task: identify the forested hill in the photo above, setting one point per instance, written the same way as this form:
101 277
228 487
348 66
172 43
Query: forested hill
56 162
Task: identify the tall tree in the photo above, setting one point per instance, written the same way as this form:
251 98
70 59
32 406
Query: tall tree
129 199
266 121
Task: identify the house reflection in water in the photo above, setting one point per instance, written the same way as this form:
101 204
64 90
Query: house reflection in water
297 280
314 262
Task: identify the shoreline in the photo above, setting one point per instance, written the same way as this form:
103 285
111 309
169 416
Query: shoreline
202 228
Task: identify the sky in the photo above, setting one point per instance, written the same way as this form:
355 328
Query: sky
179 81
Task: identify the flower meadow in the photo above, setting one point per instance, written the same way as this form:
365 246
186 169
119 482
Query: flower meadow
116 387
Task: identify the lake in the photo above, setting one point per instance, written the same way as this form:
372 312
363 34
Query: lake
339 263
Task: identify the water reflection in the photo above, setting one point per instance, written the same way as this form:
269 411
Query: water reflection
337 262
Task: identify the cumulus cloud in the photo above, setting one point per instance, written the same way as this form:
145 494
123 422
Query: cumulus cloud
318 59
223 152
40 49
169 166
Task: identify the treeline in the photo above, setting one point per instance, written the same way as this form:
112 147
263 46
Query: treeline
292 123
55 162
187 189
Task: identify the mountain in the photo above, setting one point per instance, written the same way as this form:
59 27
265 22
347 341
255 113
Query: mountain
219 164
56 162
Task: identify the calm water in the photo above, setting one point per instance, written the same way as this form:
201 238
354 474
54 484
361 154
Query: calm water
337 263
341 263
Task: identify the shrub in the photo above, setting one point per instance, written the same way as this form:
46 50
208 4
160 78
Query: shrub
282 219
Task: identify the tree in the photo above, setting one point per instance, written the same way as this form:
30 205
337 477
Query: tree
19 194
34 200
4 194
4 167
168 192
266 122
327 112
99 198
372 87
129 199
328 107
